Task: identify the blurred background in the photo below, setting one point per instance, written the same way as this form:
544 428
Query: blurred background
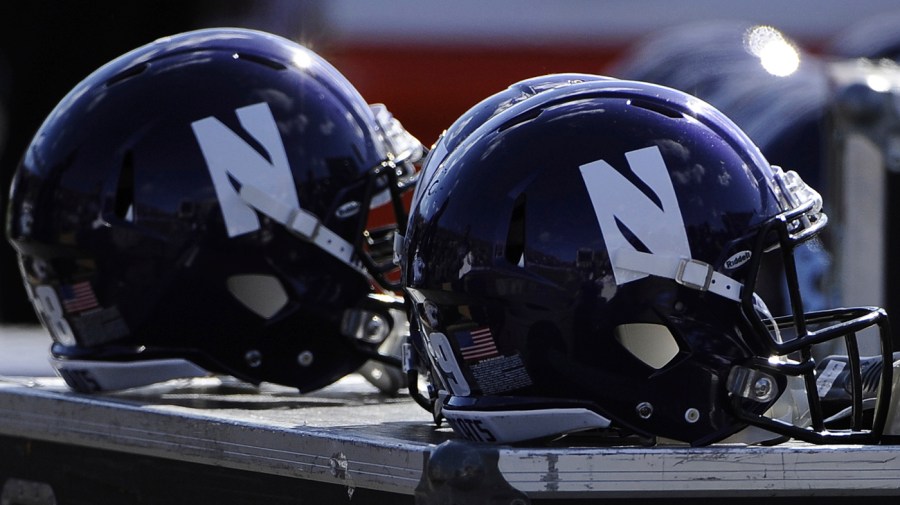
429 61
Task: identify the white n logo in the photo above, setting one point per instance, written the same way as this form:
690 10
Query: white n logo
227 155
619 202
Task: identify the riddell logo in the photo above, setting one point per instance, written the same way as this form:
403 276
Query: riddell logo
737 260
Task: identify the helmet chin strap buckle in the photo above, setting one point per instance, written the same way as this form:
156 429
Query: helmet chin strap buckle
688 272
694 274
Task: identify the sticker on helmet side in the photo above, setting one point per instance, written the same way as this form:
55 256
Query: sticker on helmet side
492 371
348 209
472 429
441 353
229 157
500 374
51 312
476 343
737 260
618 202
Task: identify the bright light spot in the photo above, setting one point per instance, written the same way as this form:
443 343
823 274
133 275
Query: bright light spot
776 54
696 105
302 59
878 83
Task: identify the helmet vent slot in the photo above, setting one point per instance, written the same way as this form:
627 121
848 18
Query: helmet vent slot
515 237
521 118
657 108
127 74
124 201
262 61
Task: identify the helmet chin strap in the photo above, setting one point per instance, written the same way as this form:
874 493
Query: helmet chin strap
691 273
301 222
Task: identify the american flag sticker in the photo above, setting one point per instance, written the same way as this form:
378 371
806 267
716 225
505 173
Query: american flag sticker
78 297
476 344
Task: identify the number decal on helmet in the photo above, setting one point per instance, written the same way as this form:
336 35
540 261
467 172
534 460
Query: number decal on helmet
228 156
618 202
442 353
50 310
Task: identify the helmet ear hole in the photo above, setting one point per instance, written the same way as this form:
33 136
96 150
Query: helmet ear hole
653 344
262 294
515 237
